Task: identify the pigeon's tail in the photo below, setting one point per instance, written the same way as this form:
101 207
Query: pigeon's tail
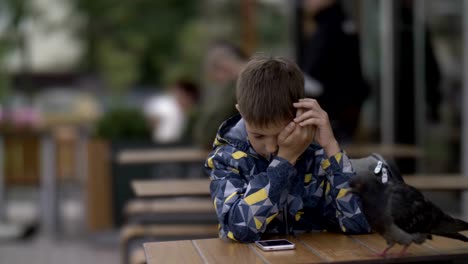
454 236
449 225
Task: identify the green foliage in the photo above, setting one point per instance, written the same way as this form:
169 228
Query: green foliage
12 13
123 124
272 28
4 77
192 41
130 41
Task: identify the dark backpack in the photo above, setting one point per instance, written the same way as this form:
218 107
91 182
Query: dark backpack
376 166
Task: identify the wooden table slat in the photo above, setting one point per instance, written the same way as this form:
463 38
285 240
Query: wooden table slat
378 244
338 247
300 255
226 252
448 245
172 252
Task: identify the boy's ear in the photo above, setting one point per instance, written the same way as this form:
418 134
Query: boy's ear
237 107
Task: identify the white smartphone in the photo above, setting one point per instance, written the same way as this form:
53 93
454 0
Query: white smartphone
275 244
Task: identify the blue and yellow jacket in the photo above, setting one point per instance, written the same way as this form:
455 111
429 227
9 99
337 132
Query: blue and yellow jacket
253 195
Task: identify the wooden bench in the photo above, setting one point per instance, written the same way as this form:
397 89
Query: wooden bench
168 188
131 233
167 206
166 232
170 210
387 150
167 210
180 154
200 187
137 256
162 155
437 182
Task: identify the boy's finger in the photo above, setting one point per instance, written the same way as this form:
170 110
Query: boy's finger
309 114
311 103
286 131
307 105
308 100
312 121
299 112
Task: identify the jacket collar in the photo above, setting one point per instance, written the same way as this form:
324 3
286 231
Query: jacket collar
233 132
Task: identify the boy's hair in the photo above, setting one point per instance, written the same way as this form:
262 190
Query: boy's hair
267 89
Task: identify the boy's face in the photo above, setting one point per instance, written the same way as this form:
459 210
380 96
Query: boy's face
264 140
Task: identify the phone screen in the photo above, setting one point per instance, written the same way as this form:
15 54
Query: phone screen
278 242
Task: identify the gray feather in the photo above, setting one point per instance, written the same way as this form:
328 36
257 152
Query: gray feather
401 214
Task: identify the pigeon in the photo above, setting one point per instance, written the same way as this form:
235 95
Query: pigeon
401 214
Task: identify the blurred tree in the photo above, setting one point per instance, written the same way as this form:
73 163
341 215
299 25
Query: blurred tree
123 124
271 28
12 12
192 40
132 41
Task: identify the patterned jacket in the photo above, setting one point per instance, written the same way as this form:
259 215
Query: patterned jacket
253 195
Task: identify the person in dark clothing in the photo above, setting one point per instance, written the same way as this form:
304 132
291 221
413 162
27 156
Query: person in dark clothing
405 78
404 97
331 57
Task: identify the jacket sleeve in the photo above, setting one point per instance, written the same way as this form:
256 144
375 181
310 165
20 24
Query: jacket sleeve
342 207
245 203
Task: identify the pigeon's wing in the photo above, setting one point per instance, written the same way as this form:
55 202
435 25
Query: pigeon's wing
410 210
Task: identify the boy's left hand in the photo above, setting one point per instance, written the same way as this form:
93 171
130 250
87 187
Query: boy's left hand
314 115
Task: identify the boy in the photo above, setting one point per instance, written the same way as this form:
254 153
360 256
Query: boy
266 175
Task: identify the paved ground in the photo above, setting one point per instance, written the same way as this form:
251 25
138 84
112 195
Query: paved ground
43 250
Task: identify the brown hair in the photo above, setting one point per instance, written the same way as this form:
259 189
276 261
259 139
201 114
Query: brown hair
267 89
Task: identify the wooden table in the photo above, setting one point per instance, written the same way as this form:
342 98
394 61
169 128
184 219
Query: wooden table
310 248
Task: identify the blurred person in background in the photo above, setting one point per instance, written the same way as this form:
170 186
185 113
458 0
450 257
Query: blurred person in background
1 114
223 63
187 96
331 57
171 115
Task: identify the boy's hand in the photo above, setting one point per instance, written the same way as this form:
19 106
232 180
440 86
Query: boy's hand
294 140
314 115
